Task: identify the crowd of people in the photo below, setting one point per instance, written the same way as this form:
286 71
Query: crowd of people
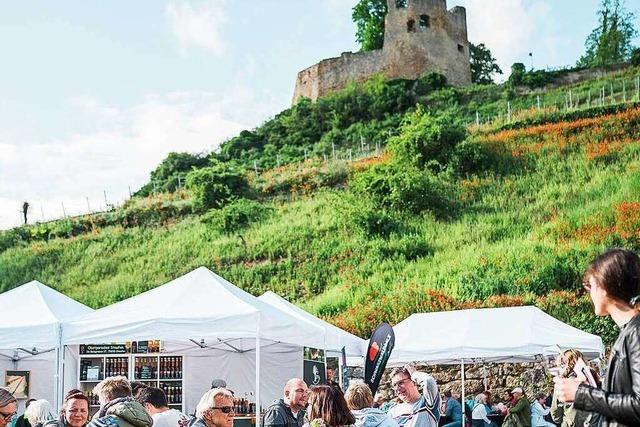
612 281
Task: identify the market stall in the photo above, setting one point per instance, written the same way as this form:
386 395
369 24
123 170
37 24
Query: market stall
509 334
30 336
342 348
205 328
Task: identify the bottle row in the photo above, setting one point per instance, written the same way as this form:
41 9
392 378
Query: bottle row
93 398
173 392
168 367
242 406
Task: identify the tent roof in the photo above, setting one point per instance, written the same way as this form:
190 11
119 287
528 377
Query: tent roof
199 305
31 314
335 337
489 334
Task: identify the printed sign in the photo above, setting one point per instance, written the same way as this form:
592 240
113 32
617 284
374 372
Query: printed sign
380 347
313 366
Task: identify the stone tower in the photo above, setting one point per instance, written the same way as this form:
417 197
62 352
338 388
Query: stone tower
421 36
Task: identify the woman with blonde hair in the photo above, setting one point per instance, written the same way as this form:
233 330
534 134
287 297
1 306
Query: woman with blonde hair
613 283
327 407
360 401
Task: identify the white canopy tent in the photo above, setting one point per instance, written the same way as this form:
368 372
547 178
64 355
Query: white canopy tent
201 315
510 334
30 333
335 338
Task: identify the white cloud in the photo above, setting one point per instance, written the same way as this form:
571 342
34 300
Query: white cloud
197 23
128 143
509 28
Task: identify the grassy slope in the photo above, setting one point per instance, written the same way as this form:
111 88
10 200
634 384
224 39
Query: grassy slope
521 236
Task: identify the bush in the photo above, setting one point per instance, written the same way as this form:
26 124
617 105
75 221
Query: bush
404 189
236 215
469 157
635 57
216 185
426 138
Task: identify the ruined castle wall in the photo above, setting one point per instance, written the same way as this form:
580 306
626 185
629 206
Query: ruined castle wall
333 74
419 38
439 46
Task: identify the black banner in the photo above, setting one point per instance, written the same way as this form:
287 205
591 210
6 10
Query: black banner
380 346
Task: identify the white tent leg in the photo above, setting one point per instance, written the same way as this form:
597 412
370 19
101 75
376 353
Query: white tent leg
258 420
59 374
462 389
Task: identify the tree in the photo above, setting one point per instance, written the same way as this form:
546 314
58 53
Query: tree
518 71
610 42
368 16
483 64
216 185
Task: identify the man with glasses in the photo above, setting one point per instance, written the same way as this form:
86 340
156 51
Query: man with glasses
215 409
289 411
8 407
418 409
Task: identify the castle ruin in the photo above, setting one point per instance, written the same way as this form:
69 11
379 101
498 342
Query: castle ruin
420 36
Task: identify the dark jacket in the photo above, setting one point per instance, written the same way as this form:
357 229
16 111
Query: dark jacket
519 414
122 412
619 401
279 415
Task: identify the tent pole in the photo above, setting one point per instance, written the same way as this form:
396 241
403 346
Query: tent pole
58 380
258 411
464 401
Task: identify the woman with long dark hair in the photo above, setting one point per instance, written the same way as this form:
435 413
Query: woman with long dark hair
613 282
327 407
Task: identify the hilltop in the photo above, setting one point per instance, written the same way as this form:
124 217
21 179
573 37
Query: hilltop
378 201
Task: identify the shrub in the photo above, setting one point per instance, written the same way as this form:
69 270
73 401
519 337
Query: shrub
404 189
216 185
426 138
236 215
470 156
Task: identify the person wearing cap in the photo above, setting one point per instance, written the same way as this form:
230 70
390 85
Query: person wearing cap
218 383
520 414
8 407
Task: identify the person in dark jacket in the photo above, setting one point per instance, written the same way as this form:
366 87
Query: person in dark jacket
22 420
613 283
117 407
289 411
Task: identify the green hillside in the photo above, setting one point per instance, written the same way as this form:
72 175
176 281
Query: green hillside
436 213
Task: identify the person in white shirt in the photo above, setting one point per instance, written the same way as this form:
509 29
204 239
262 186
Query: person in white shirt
155 403
479 413
538 412
417 410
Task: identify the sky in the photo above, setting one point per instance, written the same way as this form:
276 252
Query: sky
94 94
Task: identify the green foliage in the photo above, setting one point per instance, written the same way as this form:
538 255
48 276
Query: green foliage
368 15
483 64
610 42
404 189
470 157
171 172
635 57
236 216
216 185
518 70
426 139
